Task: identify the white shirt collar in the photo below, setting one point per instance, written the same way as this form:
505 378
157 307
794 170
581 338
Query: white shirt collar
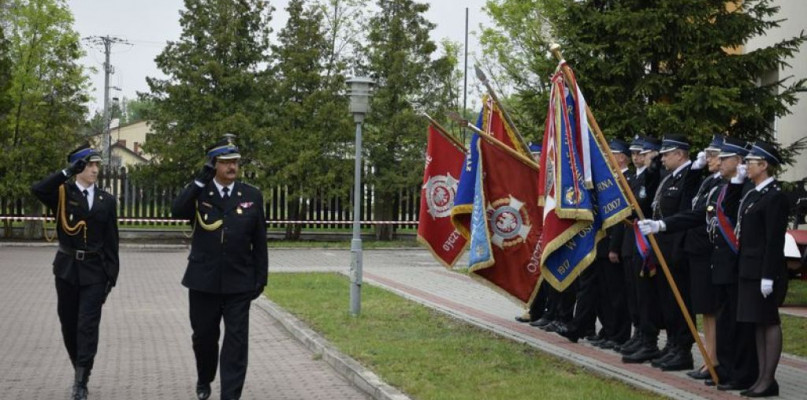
90 190
716 175
220 187
764 183
677 170
640 170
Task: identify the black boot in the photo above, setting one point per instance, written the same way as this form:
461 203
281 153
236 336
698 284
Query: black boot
80 384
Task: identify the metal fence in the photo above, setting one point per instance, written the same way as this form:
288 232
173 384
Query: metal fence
150 205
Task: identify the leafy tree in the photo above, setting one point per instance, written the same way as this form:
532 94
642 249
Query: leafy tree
311 124
215 85
658 67
47 90
5 75
517 46
135 110
399 58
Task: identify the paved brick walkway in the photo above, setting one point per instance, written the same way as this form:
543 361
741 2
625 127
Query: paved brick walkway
145 348
145 344
414 274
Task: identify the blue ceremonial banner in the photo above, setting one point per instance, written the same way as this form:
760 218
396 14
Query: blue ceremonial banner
576 212
480 236
464 199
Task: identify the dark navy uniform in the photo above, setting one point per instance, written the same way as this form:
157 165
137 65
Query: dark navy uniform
675 195
644 187
227 269
86 265
698 249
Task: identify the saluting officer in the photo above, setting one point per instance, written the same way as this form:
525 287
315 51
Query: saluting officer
227 267
675 195
86 264
761 227
735 361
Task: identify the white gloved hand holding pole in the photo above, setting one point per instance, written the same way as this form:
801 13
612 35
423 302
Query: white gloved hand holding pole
648 226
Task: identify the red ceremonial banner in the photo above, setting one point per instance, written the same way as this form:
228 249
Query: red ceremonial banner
514 224
444 163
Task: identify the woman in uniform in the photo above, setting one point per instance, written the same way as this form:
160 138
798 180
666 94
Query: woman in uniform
761 226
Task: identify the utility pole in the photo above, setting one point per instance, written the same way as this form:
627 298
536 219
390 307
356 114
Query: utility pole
465 76
106 41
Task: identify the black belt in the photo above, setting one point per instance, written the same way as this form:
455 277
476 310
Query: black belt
78 254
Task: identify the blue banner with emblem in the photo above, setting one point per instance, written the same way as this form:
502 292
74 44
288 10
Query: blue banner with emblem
576 212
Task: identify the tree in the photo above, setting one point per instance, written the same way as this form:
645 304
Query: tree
517 46
135 110
216 84
675 66
399 58
311 123
47 90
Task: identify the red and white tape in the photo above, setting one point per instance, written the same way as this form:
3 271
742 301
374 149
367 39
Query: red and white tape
185 222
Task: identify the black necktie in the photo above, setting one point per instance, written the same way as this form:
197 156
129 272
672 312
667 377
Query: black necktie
226 191
86 198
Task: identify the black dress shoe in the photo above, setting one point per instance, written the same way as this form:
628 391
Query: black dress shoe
540 322
568 333
592 338
679 362
202 391
630 348
663 358
522 319
731 385
644 354
772 390
608 345
699 374
554 326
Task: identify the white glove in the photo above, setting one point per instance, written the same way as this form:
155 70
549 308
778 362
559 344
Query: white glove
742 172
766 287
648 226
700 162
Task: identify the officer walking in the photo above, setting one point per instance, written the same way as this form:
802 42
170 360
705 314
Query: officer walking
86 264
227 266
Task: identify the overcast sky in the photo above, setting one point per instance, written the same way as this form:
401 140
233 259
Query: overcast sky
148 24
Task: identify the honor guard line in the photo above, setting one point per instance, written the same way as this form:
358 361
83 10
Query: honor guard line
555 49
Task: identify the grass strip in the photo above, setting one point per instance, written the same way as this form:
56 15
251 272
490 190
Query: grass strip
429 355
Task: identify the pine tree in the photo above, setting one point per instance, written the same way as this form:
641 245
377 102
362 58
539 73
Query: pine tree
674 66
399 58
216 84
311 123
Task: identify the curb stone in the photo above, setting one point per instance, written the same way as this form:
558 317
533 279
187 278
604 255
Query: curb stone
350 369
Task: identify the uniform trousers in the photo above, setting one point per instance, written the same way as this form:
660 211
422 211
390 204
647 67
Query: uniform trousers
206 313
630 277
79 309
647 301
736 344
677 328
614 309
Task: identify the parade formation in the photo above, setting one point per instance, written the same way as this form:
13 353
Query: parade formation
634 237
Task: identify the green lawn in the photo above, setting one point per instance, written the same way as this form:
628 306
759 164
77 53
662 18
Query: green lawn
429 355
794 332
796 293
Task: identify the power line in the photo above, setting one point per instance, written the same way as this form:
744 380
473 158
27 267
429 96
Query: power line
106 41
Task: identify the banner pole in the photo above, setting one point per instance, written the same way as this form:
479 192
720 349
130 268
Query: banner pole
484 79
555 49
445 133
496 142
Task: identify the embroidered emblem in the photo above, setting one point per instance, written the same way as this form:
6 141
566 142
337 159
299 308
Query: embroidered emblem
239 211
247 204
642 192
509 221
440 191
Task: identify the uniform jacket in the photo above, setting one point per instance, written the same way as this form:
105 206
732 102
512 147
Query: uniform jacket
723 259
762 221
102 232
675 196
696 241
233 257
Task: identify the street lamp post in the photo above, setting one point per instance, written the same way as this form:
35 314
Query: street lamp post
359 106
